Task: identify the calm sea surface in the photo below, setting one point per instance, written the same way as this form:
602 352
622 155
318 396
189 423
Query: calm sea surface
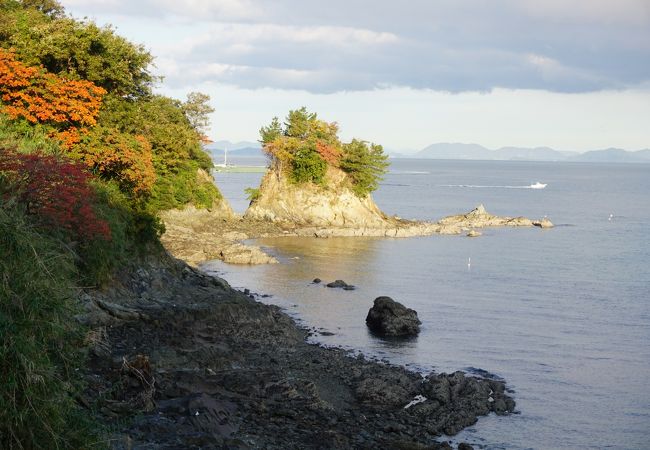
563 315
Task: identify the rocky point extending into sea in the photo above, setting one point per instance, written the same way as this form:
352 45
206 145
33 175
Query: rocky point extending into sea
285 209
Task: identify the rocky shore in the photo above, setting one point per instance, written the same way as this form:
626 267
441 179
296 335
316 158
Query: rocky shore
181 360
178 359
195 236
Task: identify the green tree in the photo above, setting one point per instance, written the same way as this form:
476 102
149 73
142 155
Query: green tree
197 110
271 132
306 146
299 123
365 164
50 8
308 166
79 50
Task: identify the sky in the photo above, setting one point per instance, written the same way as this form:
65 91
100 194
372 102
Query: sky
572 75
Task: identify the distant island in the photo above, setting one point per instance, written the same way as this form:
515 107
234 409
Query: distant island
478 152
466 152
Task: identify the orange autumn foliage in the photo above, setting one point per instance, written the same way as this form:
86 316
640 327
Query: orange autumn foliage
116 156
70 109
329 153
41 97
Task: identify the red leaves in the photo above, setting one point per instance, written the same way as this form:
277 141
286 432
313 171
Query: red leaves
56 192
42 97
329 153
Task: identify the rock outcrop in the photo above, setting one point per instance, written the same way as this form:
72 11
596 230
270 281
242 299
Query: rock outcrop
340 284
309 205
334 210
390 318
544 223
480 218
197 235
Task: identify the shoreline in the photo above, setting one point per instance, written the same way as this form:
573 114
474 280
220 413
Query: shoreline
205 366
196 236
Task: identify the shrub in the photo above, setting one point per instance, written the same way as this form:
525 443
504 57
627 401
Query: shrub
305 146
56 192
100 224
112 155
183 186
252 194
41 97
308 166
134 233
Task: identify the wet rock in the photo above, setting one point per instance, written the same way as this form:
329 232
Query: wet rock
390 318
339 284
234 253
317 280
544 223
474 233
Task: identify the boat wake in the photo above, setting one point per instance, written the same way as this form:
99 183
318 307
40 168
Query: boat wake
479 186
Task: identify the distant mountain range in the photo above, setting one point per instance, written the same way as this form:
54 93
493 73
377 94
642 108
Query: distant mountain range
465 152
244 149
478 152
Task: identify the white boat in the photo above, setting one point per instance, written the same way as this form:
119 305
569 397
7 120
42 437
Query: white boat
226 167
538 185
225 160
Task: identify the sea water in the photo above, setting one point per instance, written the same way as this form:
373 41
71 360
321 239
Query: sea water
563 314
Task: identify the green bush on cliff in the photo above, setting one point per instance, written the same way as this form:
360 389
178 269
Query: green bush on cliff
308 166
176 150
365 164
304 147
41 35
252 194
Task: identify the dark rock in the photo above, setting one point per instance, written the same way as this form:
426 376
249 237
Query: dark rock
317 280
465 446
337 284
349 287
390 318
232 373
393 390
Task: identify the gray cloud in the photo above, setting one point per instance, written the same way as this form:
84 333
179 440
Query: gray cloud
450 45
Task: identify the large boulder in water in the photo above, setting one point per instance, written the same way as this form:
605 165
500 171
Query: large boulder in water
390 318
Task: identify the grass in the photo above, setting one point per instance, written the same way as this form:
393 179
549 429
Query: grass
39 343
